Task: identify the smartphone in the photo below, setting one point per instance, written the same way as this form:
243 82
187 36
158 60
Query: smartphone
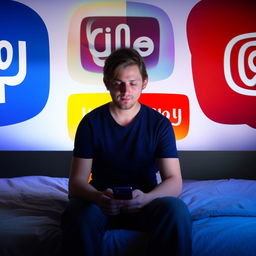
122 193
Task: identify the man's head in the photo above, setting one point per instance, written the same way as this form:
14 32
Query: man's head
122 58
125 77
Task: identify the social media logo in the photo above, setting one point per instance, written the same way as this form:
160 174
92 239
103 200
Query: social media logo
24 63
22 68
81 104
244 60
224 59
174 106
96 29
101 35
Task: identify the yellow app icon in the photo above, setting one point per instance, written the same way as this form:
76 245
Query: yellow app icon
81 104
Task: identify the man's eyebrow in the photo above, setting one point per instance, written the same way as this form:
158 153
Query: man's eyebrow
131 80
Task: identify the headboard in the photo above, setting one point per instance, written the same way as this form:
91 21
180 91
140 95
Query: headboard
200 165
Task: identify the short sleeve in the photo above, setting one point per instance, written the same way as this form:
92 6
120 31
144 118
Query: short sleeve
166 147
83 146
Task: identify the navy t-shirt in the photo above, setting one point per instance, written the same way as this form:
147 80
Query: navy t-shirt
125 155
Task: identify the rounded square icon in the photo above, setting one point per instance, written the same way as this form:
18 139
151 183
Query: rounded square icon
24 63
224 59
81 104
173 106
98 28
97 44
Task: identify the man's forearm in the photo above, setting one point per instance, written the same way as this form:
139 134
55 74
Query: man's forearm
83 190
169 187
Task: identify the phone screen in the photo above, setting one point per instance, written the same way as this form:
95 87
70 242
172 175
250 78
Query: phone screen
123 193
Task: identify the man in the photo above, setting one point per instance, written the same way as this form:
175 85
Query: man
124 143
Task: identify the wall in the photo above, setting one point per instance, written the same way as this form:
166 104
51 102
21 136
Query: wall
201 69
201 165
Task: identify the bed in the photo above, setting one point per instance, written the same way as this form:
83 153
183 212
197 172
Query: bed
223 213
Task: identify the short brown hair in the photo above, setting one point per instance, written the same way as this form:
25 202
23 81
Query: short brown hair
122 58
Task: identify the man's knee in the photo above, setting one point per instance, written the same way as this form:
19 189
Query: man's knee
175 204
78 210
172 206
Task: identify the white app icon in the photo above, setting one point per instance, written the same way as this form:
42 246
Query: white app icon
250 82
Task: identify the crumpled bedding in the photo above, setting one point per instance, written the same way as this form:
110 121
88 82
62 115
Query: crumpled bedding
212 198
224 216
30 212
223 213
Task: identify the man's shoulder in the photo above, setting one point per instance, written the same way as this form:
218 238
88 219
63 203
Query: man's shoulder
154 114
94 116
97 111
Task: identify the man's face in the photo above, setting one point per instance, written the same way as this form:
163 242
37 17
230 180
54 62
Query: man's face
126 89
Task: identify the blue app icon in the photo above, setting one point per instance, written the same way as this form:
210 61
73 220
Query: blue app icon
24 63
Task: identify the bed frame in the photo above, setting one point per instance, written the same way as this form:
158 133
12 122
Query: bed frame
199 165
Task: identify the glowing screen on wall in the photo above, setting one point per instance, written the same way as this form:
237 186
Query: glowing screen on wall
202 70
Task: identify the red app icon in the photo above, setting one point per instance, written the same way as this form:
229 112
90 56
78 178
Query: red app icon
174 106
222 41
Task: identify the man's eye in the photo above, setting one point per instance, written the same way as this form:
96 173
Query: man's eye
116 83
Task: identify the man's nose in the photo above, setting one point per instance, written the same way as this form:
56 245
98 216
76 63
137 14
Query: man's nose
124 87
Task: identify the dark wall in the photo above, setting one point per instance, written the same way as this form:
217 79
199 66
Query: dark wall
218 164
195 164
26 163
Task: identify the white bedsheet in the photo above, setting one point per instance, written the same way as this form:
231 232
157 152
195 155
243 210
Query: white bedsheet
223 213
30 211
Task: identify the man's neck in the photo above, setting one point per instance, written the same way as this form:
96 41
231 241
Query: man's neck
124 116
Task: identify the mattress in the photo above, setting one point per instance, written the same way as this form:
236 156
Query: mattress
223 214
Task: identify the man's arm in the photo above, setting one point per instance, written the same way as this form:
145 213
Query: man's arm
78 180
79 187
171 184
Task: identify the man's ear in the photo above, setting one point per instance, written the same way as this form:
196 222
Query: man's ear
144 84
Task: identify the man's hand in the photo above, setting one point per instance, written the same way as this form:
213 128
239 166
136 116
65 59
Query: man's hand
139 200
111 206
108 204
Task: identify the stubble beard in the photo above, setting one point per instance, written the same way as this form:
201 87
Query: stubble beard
125 105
